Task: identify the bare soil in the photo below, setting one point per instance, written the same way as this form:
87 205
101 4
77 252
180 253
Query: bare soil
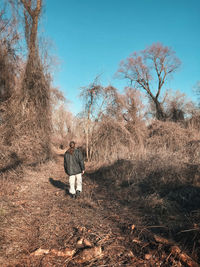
39 221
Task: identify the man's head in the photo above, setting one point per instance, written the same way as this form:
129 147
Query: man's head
72 144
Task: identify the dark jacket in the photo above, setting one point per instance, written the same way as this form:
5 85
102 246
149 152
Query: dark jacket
73 162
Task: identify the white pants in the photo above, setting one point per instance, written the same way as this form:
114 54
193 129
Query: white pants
75 179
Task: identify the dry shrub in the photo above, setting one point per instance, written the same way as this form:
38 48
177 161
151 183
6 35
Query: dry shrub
192 149
8 66
7 83
160 183
25 118
57 141
7 155
194 122
30 116
5 159
32 149
62 142
110 141
9 181
153 170
138 132
169 135
6 73
162 171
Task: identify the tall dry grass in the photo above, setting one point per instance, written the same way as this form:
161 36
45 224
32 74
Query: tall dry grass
112 140
169 135
160 182
25 110
163 172
27 129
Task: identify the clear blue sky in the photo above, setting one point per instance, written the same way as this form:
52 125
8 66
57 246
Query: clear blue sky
92 37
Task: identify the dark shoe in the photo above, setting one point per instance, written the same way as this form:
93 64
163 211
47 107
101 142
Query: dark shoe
73 196
66 191
78 193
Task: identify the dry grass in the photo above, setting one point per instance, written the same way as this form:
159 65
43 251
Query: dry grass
26 128
123 206
161 183
163 190
132 192
169 135
111 141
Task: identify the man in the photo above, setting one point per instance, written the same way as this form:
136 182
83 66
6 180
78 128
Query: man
74 167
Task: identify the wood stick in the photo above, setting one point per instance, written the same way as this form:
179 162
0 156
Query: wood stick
176 251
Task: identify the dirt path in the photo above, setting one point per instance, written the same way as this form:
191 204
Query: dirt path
39 214
40 222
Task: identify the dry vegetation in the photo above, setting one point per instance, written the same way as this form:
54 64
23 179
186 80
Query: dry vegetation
141 210
141 200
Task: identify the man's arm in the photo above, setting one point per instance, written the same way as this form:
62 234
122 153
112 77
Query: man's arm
81 161
65 164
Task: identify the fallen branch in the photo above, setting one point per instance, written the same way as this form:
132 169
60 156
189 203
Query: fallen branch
89 254
64 253
176 251
162 240
190 230
67 252
40 252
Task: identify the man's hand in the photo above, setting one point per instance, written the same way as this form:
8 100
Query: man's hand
83 172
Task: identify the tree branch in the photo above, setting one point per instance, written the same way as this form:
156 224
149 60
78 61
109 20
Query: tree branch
27 6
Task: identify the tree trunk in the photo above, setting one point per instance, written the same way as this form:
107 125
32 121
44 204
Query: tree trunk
87 141
31 25
88 128
33 38
160 115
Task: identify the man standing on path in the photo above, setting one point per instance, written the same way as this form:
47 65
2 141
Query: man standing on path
74 167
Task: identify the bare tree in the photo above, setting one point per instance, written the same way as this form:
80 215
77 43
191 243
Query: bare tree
90 96
127 110
8 59
32 12
35 83
62 123
35 98
9 67
149 70
177 106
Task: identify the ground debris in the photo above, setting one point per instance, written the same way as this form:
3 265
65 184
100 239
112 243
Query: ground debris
89 254
40 252
176 251
162 240
148 256
83 242
137 241
67 252
87 243
44 220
